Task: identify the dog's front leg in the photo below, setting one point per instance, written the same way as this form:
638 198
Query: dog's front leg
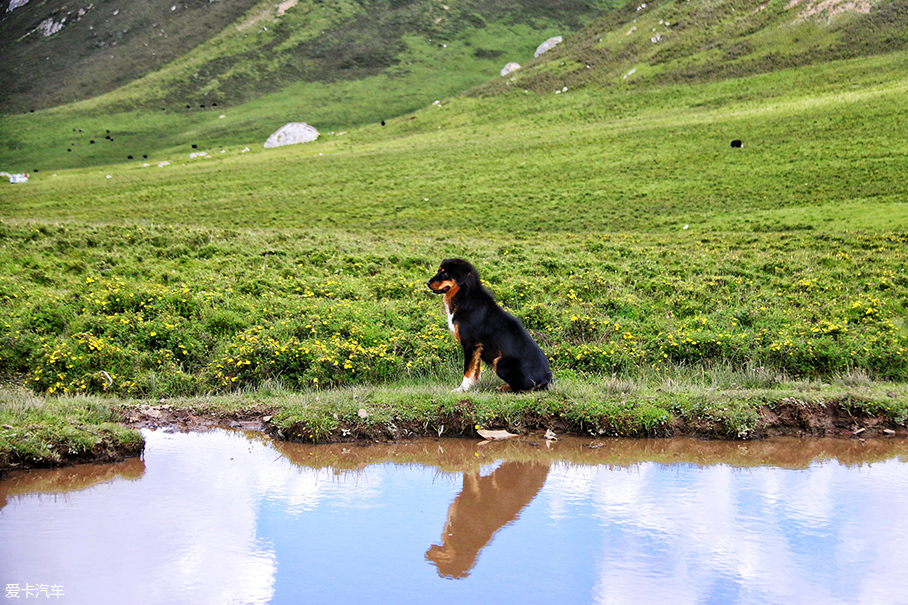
472 366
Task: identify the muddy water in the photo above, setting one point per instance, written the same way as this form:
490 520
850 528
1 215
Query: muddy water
228 517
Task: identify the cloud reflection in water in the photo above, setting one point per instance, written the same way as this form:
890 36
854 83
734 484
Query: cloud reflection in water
222 517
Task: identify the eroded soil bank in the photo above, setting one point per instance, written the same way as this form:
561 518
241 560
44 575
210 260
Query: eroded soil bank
86 429
788 417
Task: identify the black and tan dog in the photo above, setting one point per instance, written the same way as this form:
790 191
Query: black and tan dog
487 332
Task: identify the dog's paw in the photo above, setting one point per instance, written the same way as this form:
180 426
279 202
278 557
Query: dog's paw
466 384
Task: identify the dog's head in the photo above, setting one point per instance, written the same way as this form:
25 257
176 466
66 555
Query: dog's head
453 274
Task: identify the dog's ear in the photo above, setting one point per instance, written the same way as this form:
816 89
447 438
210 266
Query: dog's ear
470 277
462 271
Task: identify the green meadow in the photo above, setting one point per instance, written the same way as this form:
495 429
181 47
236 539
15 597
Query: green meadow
676 283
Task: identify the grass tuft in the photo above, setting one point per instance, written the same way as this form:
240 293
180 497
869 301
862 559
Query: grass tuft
38 431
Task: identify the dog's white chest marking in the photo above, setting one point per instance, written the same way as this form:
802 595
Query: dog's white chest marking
450 317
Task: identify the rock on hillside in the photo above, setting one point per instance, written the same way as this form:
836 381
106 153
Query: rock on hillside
548 45
291 134
509 68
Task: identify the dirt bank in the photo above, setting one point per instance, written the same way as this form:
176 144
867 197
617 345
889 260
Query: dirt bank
832 419
169 416
315 421
787 417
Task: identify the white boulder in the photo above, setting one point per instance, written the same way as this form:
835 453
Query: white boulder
291 134
548 45
510 67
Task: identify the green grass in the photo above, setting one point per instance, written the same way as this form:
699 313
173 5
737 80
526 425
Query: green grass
718 404
37 431
151 311
642 160
721 403
618 225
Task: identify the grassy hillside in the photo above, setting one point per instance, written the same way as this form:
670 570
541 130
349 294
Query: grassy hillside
665 43
182 55
285 78
335 65
590 160
58 51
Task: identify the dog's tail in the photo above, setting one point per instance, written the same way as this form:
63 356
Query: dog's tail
543 384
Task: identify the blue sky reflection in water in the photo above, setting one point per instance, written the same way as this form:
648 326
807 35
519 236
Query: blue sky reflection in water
226 517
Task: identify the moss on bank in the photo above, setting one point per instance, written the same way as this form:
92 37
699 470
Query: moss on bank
48 431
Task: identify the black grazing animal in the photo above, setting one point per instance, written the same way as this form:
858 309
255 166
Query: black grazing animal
737 143
487 332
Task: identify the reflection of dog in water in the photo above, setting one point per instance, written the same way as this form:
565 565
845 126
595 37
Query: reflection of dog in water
484 506
487 332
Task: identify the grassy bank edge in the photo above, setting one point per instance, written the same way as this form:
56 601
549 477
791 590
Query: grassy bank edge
38 431
51 431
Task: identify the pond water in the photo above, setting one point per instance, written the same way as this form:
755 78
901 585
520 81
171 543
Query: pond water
232 517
